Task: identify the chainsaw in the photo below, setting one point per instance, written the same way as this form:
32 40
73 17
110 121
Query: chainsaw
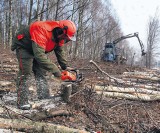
71 76
71 85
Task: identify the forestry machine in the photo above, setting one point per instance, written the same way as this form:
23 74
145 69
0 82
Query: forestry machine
111 53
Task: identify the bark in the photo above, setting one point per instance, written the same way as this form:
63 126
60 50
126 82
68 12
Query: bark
153 34
143 86
8 66
30 126
78 37
139 73
10 70
57 9
42 9
33 114
5 83
134 96
126 90
142 77
30 11
10 22
38 9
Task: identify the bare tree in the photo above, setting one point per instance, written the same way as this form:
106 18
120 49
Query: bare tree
153 36
94 21
30 11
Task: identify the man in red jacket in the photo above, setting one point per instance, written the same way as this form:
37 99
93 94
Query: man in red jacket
31 45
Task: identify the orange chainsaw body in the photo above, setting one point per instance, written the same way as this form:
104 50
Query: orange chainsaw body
68 76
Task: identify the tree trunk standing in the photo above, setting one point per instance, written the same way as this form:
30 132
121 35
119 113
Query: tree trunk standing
81 6
6 30
38 8
47 10
70 48
73 9
95 48
57 8
1 33
42 9
153 33
1 30
30 12
20 16
10 22
83 45
80 29
25 18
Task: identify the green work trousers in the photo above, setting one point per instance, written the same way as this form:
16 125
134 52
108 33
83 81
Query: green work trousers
27 65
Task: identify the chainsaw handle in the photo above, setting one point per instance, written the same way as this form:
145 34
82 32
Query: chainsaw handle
79 76
74 70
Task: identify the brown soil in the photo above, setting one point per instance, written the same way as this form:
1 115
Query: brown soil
96 113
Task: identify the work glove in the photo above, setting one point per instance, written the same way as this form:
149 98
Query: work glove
57 74
57 77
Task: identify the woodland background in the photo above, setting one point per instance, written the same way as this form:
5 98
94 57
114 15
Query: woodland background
96 21
134 105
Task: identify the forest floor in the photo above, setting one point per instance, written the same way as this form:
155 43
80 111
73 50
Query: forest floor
88 110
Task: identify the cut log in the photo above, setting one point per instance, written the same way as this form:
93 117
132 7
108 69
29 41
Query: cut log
30 126
41 109
126 90
135 96
140 84
142 77
9 66
5 83
138 73
10 69
33 114
42 115
143 86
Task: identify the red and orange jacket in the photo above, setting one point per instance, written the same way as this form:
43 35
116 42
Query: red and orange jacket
38 40
41 33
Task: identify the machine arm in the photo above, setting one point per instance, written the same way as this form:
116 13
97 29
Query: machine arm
129 36
124 37
141 44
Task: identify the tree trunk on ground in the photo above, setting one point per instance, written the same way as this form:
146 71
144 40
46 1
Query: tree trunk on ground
30 126
142 77
32 115
135 96
126 90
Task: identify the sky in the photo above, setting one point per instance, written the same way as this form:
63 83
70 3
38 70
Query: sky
134 16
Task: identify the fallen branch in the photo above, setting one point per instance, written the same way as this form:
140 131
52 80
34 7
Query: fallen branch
115 79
